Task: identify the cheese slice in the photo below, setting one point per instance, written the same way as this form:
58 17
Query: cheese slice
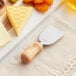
18 15
4 36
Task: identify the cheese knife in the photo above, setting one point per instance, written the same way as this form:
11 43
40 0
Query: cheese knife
49 36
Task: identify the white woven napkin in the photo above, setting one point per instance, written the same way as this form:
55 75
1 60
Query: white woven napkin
55 60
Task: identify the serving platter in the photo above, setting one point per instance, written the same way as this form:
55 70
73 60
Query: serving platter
67 15
31 25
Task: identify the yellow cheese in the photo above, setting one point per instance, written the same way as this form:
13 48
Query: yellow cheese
4 36
18 15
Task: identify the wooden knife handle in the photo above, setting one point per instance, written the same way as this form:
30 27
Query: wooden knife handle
28 55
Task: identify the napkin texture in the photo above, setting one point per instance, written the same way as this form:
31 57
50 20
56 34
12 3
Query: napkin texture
55 60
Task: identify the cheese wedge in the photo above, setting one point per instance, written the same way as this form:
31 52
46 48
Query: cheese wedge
4 36
18 15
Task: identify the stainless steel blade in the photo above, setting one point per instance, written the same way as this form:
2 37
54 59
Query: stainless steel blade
50 35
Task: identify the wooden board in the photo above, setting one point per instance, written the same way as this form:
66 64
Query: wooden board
2 10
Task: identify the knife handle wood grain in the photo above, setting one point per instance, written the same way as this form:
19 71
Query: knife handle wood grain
29 54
